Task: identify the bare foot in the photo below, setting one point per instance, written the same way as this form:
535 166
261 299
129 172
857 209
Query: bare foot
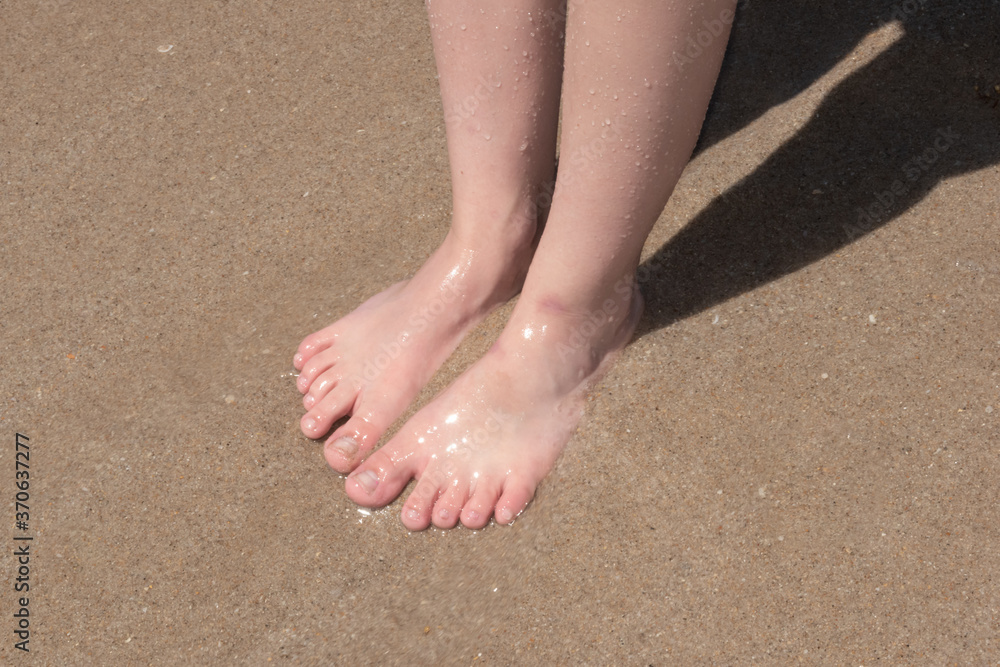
373 362
483 445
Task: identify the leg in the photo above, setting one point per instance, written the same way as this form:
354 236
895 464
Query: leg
631 116
500 92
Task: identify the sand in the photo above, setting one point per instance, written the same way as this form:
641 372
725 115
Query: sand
795 460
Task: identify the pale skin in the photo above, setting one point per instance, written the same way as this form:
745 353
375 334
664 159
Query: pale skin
631 112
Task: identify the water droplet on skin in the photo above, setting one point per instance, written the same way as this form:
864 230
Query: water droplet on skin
487 137
591 91
614 97
506 48
462 26
524 53
587 43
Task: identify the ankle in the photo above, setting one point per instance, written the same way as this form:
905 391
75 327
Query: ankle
604 302
605 323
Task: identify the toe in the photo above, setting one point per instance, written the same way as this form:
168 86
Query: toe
371 418
516 494
334 405
479 508
315 367
312 344
320 387
448 508
352 442
381 478
417 508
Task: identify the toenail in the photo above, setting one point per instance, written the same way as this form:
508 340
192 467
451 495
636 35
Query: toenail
473 516
505 516
297 361
444 514
309 401
368 480
309 424
413 515
347 448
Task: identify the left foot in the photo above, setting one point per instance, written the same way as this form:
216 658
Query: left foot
481 447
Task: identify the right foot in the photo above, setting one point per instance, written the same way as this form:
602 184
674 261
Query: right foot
372 363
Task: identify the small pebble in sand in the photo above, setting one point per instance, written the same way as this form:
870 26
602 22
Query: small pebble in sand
871 318
989 409
824 376
230 399
164 48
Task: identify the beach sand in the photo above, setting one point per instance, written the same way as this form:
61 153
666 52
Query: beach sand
795 460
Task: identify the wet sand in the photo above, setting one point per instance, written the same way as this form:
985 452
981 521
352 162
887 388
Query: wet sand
796 459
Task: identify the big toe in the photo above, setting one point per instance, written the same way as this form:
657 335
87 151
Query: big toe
352 442
380 479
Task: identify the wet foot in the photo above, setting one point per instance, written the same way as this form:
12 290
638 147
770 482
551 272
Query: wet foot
481 447
373 362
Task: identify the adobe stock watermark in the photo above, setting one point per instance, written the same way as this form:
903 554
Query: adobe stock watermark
467 107
580 158
696 45
418 323
873 214
582 333
459 453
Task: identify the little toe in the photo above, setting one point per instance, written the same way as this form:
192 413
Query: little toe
479 508
315 367
448 508
516 495
317 422
313 344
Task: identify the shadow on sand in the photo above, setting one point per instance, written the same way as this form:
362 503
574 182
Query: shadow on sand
879 142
